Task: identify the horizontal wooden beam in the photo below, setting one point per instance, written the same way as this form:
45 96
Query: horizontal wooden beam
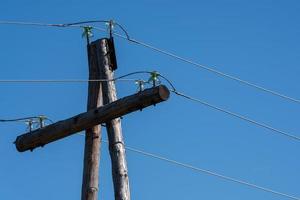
83 121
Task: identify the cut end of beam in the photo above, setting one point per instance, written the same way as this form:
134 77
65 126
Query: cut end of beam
164 92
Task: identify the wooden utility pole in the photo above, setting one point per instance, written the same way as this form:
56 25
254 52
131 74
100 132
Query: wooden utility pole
102 107
113 127
90 179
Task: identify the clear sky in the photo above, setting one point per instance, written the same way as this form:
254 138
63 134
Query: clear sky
256 40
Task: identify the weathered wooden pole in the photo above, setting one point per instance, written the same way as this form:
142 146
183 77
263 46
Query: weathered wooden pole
113 127
86 120
90 179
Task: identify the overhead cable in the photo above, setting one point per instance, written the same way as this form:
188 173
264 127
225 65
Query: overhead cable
207 172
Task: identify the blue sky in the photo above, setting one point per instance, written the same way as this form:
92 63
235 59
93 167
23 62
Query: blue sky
255 40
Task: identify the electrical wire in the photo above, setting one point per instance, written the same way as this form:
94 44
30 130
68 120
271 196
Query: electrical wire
127 37
30 23
23 119
100 21
173 90
62 80
210 69
204 171
134 73
120 78
239 116
73 24
87 22
26 119
209 172
236 115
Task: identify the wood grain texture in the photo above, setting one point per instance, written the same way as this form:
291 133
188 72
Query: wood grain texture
90 179
86 120
114 130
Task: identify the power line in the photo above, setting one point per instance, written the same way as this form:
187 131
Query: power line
24 119
120 78
41 24
79 24
197 169
210 69
239 116
38 121
174 90
61 80
87 22
73 24
127 37
208 172
30 23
